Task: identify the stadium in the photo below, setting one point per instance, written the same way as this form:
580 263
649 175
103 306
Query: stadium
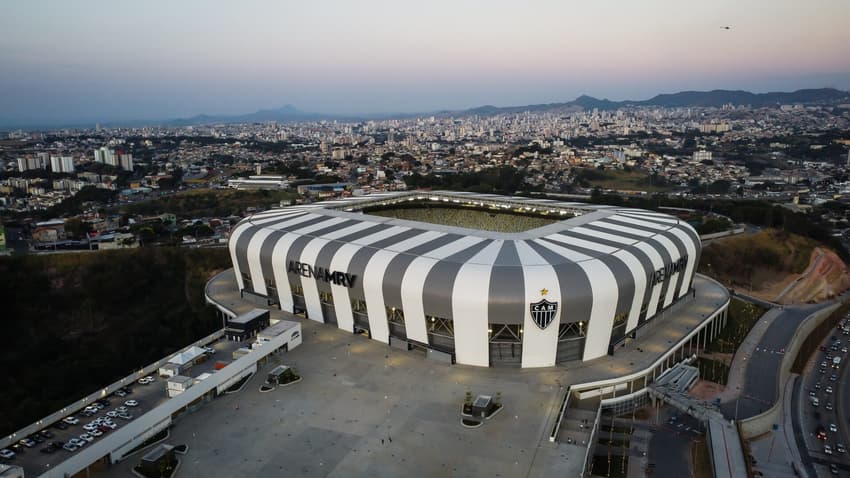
477 279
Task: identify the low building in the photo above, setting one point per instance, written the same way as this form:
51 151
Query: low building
247 325
178 384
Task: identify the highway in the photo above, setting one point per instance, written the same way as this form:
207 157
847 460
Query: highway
809 418
760 387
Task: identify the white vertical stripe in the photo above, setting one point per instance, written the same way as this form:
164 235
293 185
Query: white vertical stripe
311 290
673 278
692 257
601 321
341 262
373 282
539 346
414 280
641 223
639 280
281 278
234 238
253 254
470 300
657 263
573 241
604 235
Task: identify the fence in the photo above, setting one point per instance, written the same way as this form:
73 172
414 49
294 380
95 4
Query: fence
560 418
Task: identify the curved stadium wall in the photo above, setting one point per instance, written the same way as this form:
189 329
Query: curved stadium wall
570 290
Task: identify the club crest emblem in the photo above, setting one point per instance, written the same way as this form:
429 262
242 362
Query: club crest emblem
543 313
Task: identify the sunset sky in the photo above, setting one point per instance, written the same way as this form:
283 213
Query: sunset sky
105 60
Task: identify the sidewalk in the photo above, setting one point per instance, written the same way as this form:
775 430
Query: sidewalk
738 367
776 451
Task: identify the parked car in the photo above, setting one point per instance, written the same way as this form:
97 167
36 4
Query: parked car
131 403
828 389
70 446
46 433
36 438
827 449
7 454
121 409
86 437
71 420
27 442
120 393
95 433
109 425
833 428
77 442
90 426
125 416
839 447
61 425
829 406
112 414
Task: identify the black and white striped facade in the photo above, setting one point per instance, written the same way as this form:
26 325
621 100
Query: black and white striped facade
469 292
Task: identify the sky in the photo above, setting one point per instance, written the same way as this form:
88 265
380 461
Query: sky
93 60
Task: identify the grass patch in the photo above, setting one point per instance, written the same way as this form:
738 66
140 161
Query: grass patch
742 317
208 203
620 180
712 370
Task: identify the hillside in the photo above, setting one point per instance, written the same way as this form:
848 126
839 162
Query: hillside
776 266
78 321
207 203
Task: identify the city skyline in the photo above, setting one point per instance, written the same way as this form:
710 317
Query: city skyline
95 61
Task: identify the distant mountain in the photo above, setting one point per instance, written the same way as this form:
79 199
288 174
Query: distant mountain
284 114
289 113
714 98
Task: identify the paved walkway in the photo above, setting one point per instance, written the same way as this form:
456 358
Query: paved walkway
738 367
776 451
638 356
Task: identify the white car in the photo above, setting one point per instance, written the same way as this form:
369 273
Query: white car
112 414
827 449
121 409
7 454
90 426
77 442
92 409
110 425
833 428
146 380
828 390
131 403
95 433
87 438
125 416
70 446
120 393
71 420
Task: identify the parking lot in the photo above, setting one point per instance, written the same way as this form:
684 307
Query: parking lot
34 461
364 409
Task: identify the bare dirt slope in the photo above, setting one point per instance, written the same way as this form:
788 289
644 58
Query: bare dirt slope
776 266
